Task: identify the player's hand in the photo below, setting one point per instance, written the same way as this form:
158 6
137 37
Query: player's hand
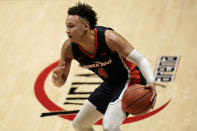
151 86
58 72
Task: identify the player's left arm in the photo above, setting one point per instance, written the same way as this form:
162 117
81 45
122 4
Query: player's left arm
117 43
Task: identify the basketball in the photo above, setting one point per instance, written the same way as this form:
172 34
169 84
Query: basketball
136 100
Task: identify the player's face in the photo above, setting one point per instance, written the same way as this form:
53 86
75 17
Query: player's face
75 28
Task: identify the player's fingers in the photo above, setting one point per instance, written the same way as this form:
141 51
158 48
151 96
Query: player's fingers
53 79
62 65
55 76
154 93
58 70
148 86
62 68
153 102
152 90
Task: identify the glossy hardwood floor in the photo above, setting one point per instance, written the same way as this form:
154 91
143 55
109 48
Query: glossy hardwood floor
33 31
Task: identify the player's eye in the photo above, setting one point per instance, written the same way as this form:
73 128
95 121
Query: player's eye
71 26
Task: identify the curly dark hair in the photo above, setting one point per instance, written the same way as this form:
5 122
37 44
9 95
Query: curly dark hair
85 11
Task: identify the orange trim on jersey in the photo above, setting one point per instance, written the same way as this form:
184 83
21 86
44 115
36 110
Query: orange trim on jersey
134 73
95 49
129 64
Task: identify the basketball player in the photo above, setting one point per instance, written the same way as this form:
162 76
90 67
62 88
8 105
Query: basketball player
111 57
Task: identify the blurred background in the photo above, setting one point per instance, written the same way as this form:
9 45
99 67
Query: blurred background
33 31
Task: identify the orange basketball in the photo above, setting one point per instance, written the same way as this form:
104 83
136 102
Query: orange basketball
136 100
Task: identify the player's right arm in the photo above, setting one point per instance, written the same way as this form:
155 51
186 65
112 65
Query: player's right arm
60 73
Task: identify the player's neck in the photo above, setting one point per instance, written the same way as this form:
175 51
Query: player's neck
88 41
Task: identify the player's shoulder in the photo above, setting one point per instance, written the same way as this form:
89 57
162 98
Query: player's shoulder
66 51
111 36
103 29
113 40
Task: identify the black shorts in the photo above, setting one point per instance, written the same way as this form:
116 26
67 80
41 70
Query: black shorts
110 92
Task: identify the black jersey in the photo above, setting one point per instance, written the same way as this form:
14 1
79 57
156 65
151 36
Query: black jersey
108 65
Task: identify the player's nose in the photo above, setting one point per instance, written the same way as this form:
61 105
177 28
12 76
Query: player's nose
67 31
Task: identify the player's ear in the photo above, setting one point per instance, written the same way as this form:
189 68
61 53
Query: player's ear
86 26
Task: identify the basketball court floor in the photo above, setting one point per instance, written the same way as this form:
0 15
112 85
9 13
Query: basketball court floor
33 31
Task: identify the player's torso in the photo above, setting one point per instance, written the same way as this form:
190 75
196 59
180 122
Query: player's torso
105 63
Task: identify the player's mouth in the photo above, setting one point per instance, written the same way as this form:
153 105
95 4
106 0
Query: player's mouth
71 38
69 35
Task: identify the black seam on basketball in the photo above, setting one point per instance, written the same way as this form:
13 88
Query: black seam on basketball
138 100
128 93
